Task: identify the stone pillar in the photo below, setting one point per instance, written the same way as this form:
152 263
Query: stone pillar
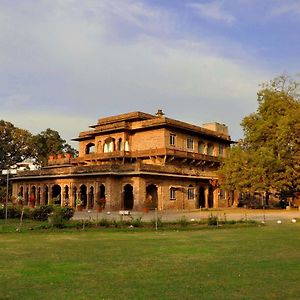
160 198
71 196
206 190
113 191
38 195
15 189
216 198
96 194
88 196
139 193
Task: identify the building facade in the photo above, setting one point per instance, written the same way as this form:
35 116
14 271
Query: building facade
134 160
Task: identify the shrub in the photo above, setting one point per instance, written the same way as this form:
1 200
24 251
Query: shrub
60 215
117 224
104 222
212 220
67 212
42 212
183 221
12 212
159 222
56 220
27 214
137 222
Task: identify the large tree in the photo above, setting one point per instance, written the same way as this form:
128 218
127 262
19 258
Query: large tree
15 144
268 157
50 142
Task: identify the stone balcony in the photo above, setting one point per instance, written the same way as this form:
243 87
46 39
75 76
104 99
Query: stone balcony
167 154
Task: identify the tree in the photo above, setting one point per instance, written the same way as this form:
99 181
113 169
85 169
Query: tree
49 142
267 158
15 144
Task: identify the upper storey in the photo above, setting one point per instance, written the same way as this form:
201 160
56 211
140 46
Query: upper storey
141 135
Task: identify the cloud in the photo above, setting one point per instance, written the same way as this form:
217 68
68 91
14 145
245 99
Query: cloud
64 64
212 10
287 7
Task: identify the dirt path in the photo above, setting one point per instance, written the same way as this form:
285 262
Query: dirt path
229 214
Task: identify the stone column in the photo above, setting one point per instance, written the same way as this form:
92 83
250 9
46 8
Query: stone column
96 194
206 190
216 198
139 193
113 191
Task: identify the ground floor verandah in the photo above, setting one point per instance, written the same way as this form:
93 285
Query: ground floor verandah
116 193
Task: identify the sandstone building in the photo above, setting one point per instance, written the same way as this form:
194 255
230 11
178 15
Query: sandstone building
135 160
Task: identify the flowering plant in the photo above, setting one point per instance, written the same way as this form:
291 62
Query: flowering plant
32 198
101 202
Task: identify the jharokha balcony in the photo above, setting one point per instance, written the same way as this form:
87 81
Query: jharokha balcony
166 155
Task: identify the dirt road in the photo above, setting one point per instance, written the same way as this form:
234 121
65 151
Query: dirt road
229 214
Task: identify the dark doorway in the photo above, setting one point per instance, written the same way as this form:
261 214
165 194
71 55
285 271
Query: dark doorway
56 194
91 197
210 197
128 196
102 191
151 196
83 195
201 197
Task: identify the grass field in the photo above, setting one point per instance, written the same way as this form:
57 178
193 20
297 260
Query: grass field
238 263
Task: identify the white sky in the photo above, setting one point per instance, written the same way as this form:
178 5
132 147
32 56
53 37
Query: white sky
65 63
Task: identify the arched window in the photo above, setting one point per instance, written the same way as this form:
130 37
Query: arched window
109 145
90 148
127 148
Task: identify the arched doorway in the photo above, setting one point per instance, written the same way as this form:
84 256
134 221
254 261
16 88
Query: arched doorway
102 191
83 195
201 202
91 198
128 196
90 148
151 196
56 194
210 197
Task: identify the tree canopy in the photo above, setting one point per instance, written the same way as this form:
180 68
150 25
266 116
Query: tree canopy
268 157
49 142
17 144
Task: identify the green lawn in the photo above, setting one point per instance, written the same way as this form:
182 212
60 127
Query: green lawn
237 263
